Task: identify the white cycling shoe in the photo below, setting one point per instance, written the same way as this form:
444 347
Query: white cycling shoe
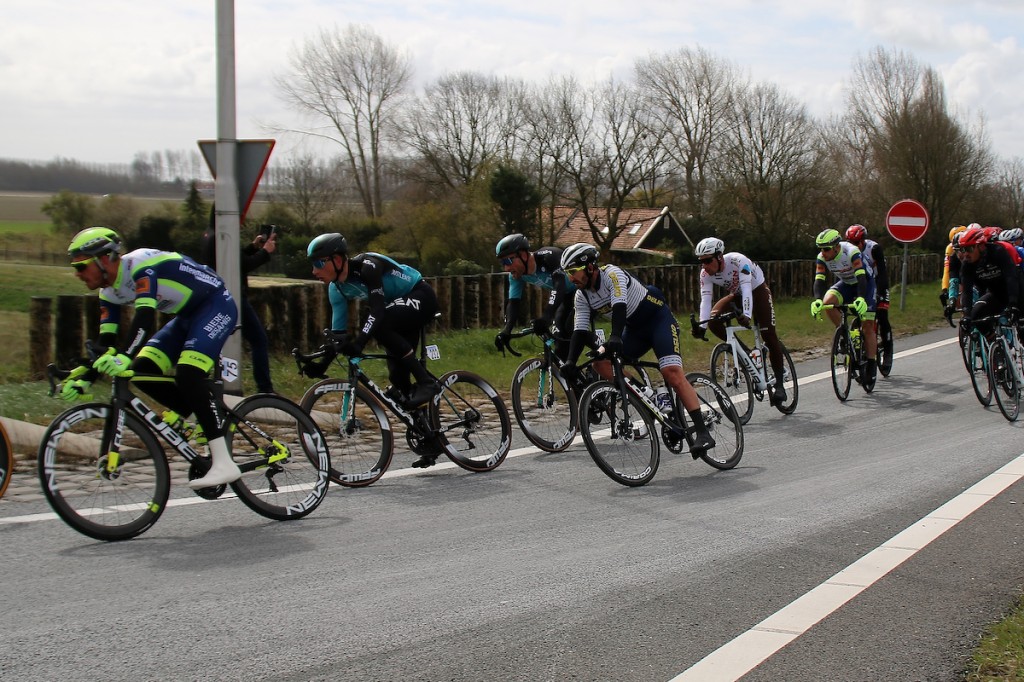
224 469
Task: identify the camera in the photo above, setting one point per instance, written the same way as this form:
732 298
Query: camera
267 230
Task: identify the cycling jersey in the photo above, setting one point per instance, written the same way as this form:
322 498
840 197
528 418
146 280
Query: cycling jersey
874 263
371 276
546 275
613 286
994 274
649 324
738 275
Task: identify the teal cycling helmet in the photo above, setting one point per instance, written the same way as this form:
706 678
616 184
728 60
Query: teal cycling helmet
513 243
326 245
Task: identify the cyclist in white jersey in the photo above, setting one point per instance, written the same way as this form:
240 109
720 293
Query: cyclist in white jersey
641 321
853 283
743 279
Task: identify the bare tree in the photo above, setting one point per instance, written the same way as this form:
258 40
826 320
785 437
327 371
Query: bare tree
610 154
462 127
309 187
1011 191
771 166
918 148
351 84
689 95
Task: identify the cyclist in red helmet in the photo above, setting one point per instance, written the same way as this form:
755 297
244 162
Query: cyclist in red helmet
992 270
874 260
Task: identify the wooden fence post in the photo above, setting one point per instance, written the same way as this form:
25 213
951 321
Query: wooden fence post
40 335
69 340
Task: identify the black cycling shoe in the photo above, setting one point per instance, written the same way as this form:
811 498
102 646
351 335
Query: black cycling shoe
779 396
425 461
396 394
422 393
702 442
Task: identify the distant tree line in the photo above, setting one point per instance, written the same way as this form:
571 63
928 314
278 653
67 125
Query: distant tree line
437 177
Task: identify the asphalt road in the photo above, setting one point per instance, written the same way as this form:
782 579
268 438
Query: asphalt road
547 570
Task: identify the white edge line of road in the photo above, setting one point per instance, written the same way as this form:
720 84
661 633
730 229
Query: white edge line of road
736 658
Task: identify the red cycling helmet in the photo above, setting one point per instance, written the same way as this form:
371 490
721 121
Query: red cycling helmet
972 236
856 233
992 233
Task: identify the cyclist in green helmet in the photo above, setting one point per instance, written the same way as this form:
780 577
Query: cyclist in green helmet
853 282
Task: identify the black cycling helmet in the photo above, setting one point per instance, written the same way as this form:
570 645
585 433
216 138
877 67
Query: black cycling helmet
513 243
326 245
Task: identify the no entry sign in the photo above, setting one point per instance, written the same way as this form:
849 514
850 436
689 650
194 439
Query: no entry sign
907 221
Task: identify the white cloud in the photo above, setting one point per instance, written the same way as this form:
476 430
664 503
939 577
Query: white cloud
100 81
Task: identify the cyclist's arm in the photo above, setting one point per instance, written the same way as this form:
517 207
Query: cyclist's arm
881 272
746 291
862 275
372 273
144 320
339 307
707 288
820 281
557 298
946 262
515 293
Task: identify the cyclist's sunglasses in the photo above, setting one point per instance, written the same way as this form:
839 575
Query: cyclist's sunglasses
574 270
81 265
319 263
705 261
507 260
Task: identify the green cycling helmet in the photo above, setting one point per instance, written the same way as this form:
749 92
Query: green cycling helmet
94 241
827 238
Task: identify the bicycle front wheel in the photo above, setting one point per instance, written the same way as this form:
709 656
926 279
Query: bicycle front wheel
282 454
789 381
730 375
978 369
6 460
105 495
357 430
472 421
623 443
842 363
1005 383
544 405
721 420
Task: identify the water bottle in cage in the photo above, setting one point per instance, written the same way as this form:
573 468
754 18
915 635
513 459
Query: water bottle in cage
663 399
757 357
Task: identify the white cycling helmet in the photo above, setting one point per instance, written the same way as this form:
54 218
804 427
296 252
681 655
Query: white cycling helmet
578 254
1011 235
709 246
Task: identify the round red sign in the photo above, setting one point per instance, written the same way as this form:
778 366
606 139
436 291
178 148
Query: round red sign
907 220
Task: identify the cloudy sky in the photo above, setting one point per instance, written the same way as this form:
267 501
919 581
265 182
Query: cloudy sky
100 81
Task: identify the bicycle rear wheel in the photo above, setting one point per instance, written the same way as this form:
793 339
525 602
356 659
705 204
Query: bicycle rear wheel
472 421
101 494
625 448
544 405
842 362
980 378
789 380
1005 383
730 375
357 430
721 419
6 460
282 454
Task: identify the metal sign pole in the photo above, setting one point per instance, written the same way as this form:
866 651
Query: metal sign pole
903 279
227 216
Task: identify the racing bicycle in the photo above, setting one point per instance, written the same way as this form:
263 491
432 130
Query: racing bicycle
104 472
623 442
467 420
746 373
993 355
849 357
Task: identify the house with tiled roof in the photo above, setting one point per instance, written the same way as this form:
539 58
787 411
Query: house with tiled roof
647 231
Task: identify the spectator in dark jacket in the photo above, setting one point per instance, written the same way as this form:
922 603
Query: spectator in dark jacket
254 254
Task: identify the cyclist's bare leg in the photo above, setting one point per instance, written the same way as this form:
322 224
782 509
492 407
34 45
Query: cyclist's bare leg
676 379
870 340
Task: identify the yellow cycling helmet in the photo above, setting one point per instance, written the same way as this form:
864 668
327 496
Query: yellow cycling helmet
956 230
